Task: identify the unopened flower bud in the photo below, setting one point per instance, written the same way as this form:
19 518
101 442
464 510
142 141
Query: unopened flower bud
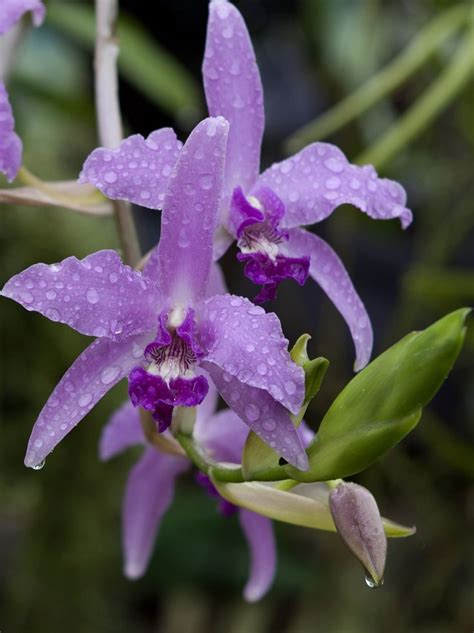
358 521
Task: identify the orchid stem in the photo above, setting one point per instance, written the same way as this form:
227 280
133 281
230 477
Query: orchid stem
109 120
26 177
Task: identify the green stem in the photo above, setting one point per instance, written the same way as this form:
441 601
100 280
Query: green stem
441 92
403 66
26 177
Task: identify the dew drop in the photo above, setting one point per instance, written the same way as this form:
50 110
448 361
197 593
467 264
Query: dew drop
92 295
52 314
84 400
262 369
205 182
234 396
113 278
183 238
269 425
109 374
110 177
252 412
290 387
38 443
39 465
26 296
371 583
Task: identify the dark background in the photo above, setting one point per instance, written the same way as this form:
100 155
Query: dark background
60 560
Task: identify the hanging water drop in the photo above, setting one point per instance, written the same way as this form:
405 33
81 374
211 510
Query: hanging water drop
39 465
371 582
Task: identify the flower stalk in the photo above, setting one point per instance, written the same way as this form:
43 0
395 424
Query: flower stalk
109 121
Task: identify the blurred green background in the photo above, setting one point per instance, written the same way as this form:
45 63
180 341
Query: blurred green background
60 560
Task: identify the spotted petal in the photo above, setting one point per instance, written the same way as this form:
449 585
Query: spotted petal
318 179
328 271
10 143
97 295
88 379
234 90
248 344
266 417
258 531
148 495
122 431
190 214
137 170
12 10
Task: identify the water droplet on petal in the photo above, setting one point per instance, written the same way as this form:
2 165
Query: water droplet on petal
38 443
113 278
205 182
39 465
269 425
262 369
252 412
84 400
109 374
110 177
290 387
92 295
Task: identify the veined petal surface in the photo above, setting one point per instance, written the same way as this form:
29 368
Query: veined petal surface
329 272
148 495
13 10
138 170
90 377
190 214
10 143
234 90
97 296
258 531
248 343
319 178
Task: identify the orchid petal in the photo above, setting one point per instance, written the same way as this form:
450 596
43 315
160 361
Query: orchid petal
248 344
216 284
122 431
234 90
189 214
318 179
10 143
97 296
12 10
258 531
88 379
328 271
205 411
137 170
222 435
148 495
268 419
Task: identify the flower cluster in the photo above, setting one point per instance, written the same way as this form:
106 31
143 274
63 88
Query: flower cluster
180 339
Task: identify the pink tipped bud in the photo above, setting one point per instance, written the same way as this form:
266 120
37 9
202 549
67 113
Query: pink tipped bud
358 521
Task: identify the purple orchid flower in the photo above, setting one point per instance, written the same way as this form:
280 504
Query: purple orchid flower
264 212
166 327
150 488
11 11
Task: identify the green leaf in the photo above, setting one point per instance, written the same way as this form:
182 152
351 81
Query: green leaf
144 63
384 401
258 456
306 505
